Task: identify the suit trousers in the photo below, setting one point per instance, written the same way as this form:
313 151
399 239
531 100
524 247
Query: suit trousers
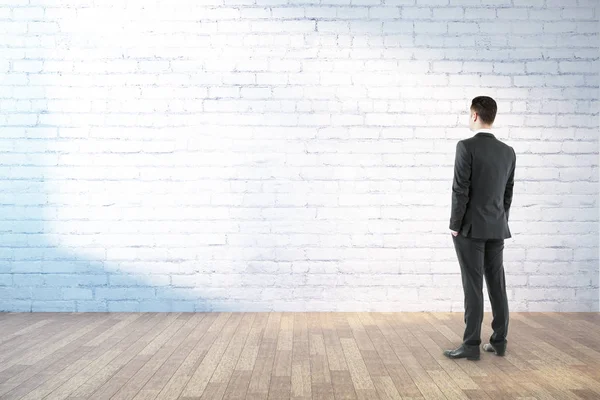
478 258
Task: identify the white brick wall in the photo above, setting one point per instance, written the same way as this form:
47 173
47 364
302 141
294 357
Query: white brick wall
287 154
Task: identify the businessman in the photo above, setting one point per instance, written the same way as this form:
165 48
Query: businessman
482 192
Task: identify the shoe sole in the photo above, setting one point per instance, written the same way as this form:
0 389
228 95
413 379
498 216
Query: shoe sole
471 358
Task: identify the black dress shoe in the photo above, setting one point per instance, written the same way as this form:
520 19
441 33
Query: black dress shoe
498 348
464 351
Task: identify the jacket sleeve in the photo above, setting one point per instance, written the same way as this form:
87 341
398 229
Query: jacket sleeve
508 192
460 186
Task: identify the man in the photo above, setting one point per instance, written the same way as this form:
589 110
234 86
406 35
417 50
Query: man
482 192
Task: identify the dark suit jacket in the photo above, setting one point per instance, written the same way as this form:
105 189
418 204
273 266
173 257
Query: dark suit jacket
482 189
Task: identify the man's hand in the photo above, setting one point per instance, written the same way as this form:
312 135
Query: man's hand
454 233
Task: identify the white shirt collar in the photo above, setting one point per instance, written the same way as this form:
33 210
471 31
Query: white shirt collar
485 131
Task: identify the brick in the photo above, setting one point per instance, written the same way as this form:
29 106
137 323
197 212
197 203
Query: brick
529 3
431 27
560 27
550 67
76 294
28 280
15 306
53 306
539 294
529 28
124 293
28 13
449 13
512 13
585 67
27 66
509 68
46 293
462 27
91 306
290 153
414 13
400 2
123 306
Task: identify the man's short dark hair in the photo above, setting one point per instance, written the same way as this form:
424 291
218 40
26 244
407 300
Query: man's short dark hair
486 108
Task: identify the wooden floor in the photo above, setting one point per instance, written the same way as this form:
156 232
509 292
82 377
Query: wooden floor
292 356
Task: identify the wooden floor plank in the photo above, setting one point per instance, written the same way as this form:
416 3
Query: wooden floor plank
104 348
408 354
39 379
361 379
14 350
165 372
177 384
179 379
161 350
9 334
320 374
61 340
260 381
224 371
343 388
39 366
71 371
231 356
364 326
240 379
389 346
398 375
124 367
333 347
14 322
301 388
124 350
281 375
206 368
299 356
